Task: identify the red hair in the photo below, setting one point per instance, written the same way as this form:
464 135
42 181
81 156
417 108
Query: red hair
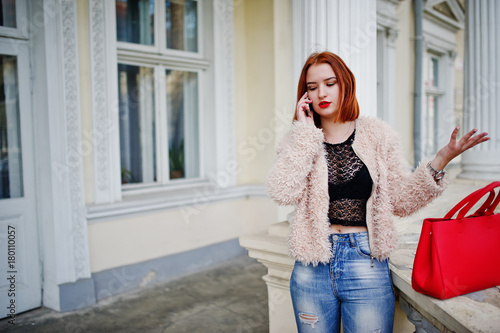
348 107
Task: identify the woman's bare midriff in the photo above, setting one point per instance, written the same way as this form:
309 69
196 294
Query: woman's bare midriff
342 229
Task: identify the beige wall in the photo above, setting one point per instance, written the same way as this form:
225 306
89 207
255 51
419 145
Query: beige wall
85 99
263 74
140 238
254 52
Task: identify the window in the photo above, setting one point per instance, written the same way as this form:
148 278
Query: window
8 14
431 107
11 173
160 66
11 153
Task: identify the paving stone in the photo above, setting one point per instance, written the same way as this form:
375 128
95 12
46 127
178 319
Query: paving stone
229 297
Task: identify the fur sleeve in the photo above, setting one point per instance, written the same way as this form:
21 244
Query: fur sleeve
287 178
409 191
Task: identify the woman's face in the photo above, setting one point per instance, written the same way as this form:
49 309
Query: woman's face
323 90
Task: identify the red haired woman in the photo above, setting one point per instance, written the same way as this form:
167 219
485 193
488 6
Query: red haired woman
346 176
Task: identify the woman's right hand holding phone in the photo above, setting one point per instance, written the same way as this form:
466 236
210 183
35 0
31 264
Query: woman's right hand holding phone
303 111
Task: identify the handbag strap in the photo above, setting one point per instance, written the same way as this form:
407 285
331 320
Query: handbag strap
466 204
461 204
493 206
482 210
478 196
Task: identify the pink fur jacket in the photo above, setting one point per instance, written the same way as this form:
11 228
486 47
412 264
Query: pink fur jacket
299 176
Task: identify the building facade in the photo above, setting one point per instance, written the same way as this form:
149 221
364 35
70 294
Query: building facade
136 135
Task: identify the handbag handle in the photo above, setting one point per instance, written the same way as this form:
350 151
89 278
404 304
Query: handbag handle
493 206
478 196
466 204
459 205
486 204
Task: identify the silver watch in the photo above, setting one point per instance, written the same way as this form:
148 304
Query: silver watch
437 174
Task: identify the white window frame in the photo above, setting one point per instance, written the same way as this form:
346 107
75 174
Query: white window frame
162 153
160 58
23 25
439 93
160 46
214 63
439 41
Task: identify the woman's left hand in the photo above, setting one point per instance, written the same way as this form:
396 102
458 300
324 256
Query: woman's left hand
455 148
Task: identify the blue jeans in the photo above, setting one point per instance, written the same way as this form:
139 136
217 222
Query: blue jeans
353 286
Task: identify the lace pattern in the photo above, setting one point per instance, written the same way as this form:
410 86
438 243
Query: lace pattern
349 184
347 212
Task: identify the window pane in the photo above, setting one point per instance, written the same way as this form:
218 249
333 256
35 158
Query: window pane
182 115
137 124
431 126
11 167
182 25
8 13
435 72
135 21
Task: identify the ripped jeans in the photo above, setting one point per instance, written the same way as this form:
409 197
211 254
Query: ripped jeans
352 287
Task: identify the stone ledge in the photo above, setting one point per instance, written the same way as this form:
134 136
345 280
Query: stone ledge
476 312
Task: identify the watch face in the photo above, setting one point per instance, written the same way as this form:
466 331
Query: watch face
439 174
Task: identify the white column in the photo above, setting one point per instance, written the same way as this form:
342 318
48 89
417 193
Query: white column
58 148
346 28
482 87
387 34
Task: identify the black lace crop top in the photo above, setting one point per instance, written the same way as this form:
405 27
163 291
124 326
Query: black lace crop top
349 184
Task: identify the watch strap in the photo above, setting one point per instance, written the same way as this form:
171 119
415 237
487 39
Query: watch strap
437 174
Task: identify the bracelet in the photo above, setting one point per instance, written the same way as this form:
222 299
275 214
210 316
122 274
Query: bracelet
437 174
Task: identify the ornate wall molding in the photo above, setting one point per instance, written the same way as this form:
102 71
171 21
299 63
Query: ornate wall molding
224 84
98 68
107 187
392 37
74 157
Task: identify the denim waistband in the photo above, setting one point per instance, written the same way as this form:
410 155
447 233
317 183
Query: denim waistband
351 237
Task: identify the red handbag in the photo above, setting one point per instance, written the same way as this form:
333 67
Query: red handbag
460 256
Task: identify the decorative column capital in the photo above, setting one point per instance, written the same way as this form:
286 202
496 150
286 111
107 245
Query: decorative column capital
452 55
426 44
392 36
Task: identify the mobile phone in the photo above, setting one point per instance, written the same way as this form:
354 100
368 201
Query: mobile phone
309 108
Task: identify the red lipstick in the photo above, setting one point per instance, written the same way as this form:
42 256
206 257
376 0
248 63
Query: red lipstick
324 104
